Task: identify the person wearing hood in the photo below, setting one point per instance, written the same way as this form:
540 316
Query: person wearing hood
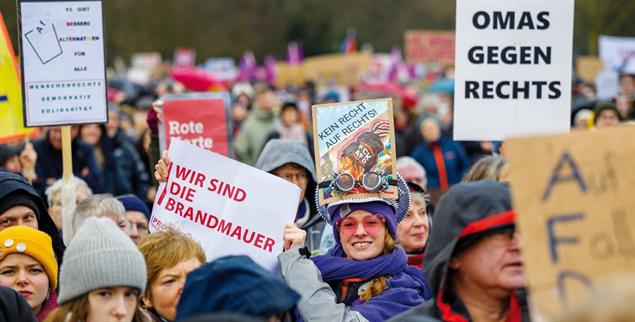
261 121
290 160
21 205
238 285
445 160
472 259
365 276
49 162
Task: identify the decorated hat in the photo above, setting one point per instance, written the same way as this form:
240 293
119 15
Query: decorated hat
356 159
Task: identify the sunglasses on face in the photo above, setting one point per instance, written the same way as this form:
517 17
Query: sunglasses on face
372 225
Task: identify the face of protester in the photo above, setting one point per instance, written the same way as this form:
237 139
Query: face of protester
362 235
289 117
55 210
607 118
12 164
112 304
122 223
113 123
26 276
491 263
627 85
138 225
430 131
294 174
18 216
266 101
90 133
413 231
166 289
414 175
55 137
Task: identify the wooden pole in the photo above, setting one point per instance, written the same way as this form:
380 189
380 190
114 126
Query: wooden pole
68 189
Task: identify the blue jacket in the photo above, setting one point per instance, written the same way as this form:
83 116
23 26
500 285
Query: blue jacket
456 161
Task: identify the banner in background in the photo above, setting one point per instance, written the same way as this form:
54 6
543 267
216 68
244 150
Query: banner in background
429 47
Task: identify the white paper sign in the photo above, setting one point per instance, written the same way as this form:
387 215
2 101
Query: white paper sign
230 208
616 52
222 68
63 62
513 68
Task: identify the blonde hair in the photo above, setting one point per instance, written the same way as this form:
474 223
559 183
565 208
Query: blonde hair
165 249
490 167
379 283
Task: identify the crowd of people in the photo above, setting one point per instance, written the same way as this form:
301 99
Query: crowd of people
451 254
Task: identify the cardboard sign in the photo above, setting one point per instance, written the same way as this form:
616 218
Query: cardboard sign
201 119
228 207
337 69
288 75
63 62
429 47
573 195
355 138
587 67
12 128
513 68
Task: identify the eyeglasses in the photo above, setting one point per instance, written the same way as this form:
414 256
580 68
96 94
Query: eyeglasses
371 182
372 225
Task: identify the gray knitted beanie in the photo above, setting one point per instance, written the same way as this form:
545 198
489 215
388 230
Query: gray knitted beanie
100 255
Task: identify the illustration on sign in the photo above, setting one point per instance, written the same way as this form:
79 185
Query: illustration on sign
355 150
43 39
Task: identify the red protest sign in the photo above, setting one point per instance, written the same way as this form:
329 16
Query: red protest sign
429 47
201 121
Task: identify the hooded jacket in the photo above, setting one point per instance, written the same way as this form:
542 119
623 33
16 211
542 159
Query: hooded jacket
11 182
465 210
278 152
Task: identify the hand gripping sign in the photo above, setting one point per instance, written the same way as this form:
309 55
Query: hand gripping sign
228 207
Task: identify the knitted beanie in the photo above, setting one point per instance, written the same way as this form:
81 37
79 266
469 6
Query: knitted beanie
31 242
19 198
380 208
134 203
100 255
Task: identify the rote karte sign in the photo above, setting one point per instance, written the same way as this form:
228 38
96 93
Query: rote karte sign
228 207
63 62
513 68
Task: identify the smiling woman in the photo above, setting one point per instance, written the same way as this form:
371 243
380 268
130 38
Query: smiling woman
366 272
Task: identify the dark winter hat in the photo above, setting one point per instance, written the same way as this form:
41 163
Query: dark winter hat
134 203
604 107
19 198
234 284
11 183
7 151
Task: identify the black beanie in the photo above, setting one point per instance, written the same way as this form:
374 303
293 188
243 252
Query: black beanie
18 198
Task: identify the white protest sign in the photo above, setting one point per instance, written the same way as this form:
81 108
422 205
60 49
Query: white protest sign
63 62
616 52
228 207
222 68
513 68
